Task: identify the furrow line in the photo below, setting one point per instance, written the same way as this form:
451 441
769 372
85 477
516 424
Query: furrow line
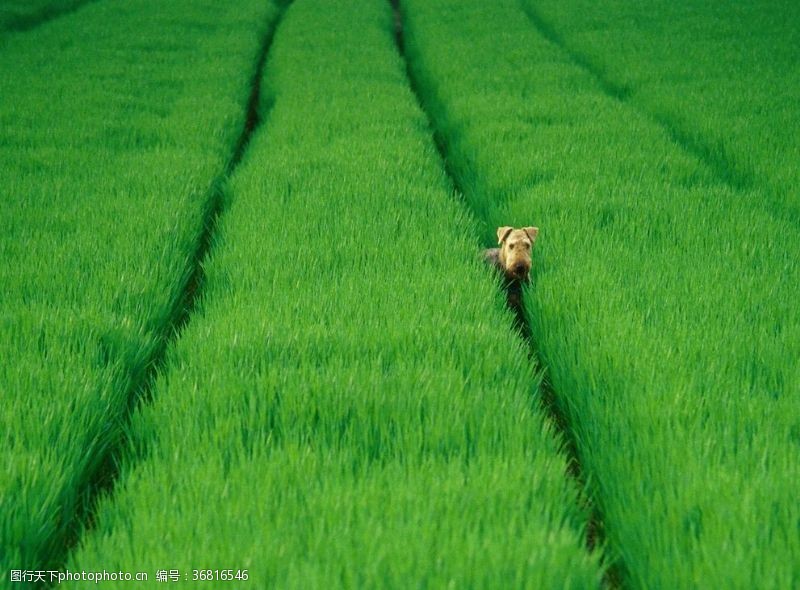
141 389
549 404
715 157
216 201
439 139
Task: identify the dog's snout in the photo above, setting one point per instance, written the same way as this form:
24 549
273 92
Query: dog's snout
520 268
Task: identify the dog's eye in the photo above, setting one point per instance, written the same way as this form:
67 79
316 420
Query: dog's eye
511 246
527 245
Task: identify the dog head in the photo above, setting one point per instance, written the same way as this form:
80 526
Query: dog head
515 250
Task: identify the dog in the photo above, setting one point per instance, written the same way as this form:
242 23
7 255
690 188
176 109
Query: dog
513 259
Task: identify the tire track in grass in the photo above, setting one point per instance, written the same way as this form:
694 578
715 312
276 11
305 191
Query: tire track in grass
216 198
141 389
438 138
595 537
715 157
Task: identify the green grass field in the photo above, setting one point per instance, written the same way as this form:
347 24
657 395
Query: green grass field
346 407
246 327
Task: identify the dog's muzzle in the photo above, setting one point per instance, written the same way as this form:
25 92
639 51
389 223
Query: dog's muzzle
520 271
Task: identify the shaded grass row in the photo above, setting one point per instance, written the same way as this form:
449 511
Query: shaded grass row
351 408
722 76
22 15
661 302
110 165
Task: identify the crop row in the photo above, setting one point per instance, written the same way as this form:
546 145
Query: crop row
351 407
117 122
723 77
662 303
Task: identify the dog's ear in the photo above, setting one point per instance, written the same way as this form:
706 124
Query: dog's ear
532 233
502 233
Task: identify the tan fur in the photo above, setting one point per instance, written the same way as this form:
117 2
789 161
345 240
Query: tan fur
513 256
